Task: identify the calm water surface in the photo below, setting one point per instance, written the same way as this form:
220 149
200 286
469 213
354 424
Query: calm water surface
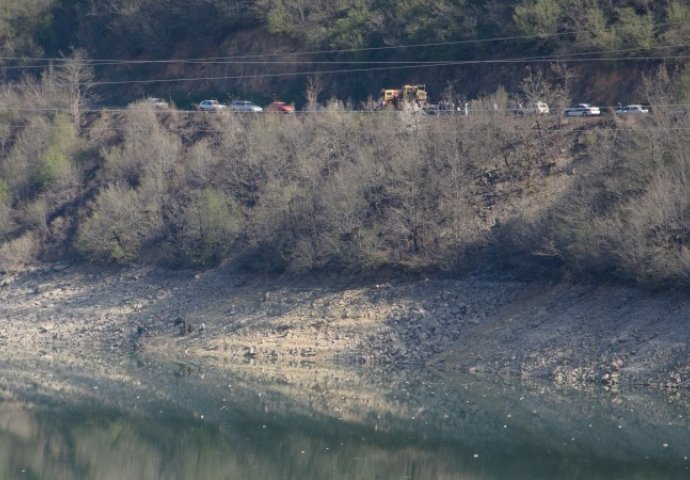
132 418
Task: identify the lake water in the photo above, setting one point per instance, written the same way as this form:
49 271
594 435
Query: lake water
134 418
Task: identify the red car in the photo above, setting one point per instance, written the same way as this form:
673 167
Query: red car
280 107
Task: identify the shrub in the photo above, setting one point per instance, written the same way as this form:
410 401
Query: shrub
147 149
6 221
120 223
211 222
55 169
19 167
20 252
41 158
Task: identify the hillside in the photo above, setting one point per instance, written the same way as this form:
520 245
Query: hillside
348 192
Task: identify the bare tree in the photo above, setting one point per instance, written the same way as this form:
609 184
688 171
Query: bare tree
312 91
73 78
565 78
535 87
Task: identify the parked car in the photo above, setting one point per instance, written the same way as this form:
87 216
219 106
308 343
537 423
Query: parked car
245 106
157 102
537 108
631 109
211 106
280 107
582 110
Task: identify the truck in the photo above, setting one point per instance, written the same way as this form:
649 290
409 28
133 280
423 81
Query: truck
409 97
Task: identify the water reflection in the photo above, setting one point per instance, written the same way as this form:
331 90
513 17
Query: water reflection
137 419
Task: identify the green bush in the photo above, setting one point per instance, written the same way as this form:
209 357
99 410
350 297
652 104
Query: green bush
56 169
119 225
6 221
211 224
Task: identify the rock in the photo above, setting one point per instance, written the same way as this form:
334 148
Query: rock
610 379
181 323
675 380
622 338
617 364
433 322
250 352
476 369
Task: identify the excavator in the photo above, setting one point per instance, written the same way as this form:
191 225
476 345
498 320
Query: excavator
412 97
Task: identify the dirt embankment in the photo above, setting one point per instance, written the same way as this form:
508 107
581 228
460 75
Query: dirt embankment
575 334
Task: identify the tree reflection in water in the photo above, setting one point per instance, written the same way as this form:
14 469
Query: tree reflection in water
305 422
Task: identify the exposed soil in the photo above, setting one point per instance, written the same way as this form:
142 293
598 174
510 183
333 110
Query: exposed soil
571 334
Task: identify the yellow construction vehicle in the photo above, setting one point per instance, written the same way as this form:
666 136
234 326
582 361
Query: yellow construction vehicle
409 96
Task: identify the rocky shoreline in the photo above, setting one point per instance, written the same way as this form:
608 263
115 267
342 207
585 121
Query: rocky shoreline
482 324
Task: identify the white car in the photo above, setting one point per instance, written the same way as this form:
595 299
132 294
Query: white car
211 106
537 108
245 106
582 110
157 102
631 109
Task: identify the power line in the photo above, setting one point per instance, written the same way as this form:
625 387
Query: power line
390 68
366 62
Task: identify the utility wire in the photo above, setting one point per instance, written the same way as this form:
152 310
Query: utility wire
389 68
373 62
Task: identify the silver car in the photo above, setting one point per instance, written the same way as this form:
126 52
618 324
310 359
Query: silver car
631 109
157 102
211 106
245 106
582 110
